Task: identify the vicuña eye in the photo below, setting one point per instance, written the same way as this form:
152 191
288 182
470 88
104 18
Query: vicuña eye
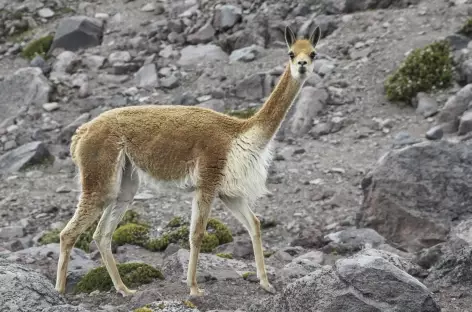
313 55
291 54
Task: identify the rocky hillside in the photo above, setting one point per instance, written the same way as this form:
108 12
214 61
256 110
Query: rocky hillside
370 206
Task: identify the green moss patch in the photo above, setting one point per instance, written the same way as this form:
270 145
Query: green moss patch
243 113
131 233
143 309
225 255
177 232
247 274
37 47
424 70
132 274
466 29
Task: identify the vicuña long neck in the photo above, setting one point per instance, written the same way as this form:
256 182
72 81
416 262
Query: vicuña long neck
269 118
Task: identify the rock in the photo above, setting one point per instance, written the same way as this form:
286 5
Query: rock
144 297
78 32
435 133
413 194
201 53
246 54
311 102
209 267
170 82
45 257
465 123
457 41
46 13
11 232
186 98
463 231
170 306
308 238
362 284
323 67
23 289
119 57
455 106
26 87
65 63
93 62
65 308
250 88
40 62
146 76
66 133
30 154
204 35
427 106
352 240
214 104
149 7
226 16
239 249
403 139
466 70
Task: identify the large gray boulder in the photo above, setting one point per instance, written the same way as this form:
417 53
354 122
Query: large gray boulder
30 154
23 290
25 87
202 53
360 284
455 106
78 32
414 194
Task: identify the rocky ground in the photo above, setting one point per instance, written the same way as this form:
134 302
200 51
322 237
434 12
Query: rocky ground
345 227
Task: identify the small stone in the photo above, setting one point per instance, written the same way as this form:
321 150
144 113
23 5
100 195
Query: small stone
465 124
119 57
203 35
63 189
102 16
9 145
170 82
246 54
427 106
227 16
146 77
46 13
49 107
435 133
148 7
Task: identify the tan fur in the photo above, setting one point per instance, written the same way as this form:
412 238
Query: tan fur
192 148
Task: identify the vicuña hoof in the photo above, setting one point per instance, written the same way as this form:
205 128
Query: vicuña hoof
196 292
126 292
268 287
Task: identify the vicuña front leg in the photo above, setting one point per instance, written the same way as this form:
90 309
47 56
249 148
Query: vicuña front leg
200 212
241 211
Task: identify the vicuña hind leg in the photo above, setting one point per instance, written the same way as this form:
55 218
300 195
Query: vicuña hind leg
88 210
201 207
243 213
109 222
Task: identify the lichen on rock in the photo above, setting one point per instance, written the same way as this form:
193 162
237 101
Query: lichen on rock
133 275
425 69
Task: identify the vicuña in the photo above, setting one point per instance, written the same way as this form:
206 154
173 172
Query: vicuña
197 149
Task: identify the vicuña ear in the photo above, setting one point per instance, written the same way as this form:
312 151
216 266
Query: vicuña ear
315 36
289 37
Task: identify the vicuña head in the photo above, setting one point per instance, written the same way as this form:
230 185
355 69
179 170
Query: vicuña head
301 52
192 148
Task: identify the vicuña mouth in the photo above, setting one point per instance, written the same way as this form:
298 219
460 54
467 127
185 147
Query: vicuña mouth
302 70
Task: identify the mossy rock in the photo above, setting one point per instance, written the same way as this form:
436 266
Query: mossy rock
243 113
466 29
424 70
37 47
189 304
132 274
246 275
143 309
131 233
225 255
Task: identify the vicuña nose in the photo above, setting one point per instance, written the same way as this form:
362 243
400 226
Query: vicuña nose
302 63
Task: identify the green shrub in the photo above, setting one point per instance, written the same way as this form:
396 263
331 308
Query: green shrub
225 255
132 274
143 309
243 113
466 29
37 47
425 69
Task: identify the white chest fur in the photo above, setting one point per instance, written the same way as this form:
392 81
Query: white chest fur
246 169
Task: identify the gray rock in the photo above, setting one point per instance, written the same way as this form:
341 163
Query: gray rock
246 54
202 53
435 133
463 231
204 35
65 308
186 98
40 62
30 154
170 82
78 32
23 289
149 7
26 87
457 41
214 104
403 139
93 62
466 70
352 240
46 13
349 6
427 106
413 194
455 106
65 63
66 133
119 57
170 306
250 88
146 76
362 284
226 16
323 67
311 102
13 231
465 123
